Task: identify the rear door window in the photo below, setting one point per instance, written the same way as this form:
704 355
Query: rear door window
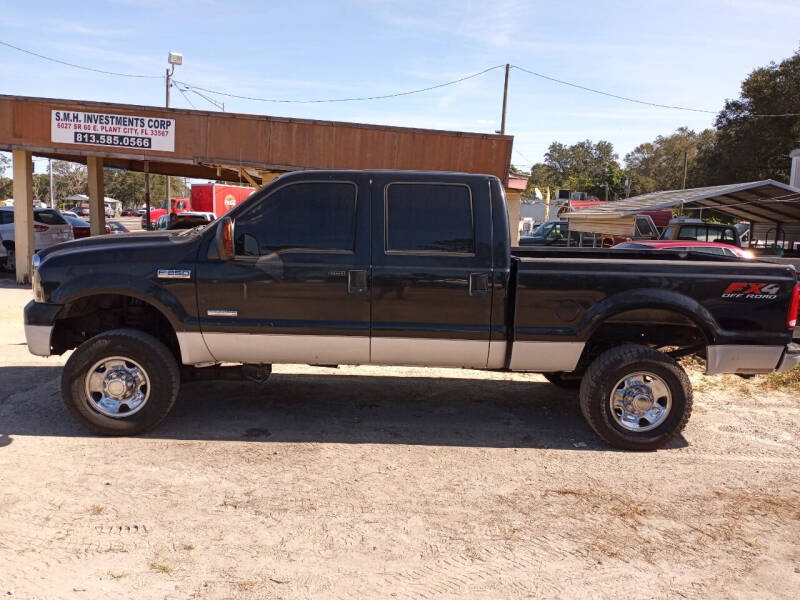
688 233
48 217
429 217
6 217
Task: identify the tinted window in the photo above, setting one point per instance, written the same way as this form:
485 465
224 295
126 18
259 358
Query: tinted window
48 217
6 217
311 216
429 217
644 228
688 233
708 250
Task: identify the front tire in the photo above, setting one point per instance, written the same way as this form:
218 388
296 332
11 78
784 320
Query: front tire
121 382
636 398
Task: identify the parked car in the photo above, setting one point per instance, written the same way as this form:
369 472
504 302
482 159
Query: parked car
552 233
683 228
69 213
80 228
188 220
49 228
130 212
689 246
397 268
116 227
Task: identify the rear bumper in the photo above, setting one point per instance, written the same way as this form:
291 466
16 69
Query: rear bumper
40 319
790 358
751 360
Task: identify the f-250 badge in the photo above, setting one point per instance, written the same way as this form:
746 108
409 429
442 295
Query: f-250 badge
752 291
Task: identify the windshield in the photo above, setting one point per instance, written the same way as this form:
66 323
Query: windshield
542 230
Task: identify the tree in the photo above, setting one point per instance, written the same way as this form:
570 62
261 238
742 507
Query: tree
659 165
750 147
5 163
584 166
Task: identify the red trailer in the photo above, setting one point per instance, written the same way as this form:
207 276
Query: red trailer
217 197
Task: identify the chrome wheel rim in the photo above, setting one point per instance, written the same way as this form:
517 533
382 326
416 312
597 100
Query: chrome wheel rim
117 387
640 401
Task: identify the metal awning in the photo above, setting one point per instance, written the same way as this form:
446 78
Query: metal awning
758 201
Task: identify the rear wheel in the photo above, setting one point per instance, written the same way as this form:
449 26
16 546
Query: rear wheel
121 382
636 398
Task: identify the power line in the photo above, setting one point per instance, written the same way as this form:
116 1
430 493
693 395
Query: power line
645 102
353 99
73 65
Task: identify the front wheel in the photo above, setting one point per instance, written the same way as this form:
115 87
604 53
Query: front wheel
121 382
636 398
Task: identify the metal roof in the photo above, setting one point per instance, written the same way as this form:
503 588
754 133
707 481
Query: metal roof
758 201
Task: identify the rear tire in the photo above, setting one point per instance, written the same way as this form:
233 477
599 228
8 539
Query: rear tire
562 380
121 382
636 398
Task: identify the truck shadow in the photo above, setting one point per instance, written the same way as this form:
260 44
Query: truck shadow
340 409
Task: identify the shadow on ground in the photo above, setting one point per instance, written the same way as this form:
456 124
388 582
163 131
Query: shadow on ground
331 409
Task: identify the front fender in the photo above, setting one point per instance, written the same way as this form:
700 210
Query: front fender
143 289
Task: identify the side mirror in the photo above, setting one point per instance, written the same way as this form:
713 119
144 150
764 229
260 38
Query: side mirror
224 239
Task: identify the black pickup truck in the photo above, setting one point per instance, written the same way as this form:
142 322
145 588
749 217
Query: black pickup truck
397 268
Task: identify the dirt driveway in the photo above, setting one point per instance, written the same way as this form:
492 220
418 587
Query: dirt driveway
391 483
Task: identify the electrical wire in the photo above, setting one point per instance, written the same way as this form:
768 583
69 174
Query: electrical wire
645 102
353 99
196 89
185 96
63 62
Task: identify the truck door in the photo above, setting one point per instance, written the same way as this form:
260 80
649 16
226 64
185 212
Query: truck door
297 290
432 260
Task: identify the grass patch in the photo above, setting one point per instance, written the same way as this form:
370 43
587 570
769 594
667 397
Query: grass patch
786 380
161 567
116 576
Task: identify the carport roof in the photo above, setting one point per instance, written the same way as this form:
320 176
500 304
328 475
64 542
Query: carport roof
759 201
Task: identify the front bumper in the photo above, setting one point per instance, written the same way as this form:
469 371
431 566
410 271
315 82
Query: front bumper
40 319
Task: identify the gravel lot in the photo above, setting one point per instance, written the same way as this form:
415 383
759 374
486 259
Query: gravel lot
391 483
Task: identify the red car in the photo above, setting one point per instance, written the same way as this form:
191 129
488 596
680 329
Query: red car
716 248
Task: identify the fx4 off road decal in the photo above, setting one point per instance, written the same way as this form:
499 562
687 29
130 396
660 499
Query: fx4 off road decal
752 291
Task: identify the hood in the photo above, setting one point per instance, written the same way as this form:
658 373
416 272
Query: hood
120 247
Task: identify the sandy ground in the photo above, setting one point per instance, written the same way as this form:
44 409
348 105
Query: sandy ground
391 483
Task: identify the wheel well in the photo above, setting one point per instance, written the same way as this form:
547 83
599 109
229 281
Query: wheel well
669 330
87 317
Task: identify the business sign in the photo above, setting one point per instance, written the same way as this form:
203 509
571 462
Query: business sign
119 131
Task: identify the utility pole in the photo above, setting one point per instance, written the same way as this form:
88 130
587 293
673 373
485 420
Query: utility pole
174 58
505 102
685 166
52 191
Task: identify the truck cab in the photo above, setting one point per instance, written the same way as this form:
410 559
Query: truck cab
683 228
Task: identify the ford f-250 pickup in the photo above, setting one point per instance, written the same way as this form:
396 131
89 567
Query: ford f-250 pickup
398 268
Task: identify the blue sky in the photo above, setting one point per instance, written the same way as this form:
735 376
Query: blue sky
674 52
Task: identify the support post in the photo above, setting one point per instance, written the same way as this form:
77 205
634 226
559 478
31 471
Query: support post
147 193
97 207
23 214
